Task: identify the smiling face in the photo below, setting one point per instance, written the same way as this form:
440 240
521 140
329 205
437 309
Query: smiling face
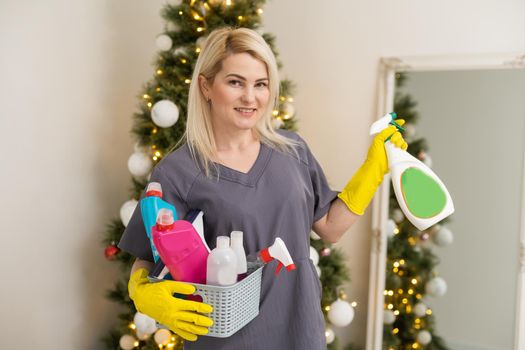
239 93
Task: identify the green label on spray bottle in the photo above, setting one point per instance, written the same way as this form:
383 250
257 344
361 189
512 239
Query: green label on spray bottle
423 196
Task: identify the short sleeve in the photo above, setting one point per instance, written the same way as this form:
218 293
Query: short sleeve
134 240
324 195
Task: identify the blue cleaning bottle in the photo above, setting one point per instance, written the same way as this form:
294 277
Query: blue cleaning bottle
149 208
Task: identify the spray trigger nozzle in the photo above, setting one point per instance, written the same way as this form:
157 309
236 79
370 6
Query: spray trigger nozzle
384 122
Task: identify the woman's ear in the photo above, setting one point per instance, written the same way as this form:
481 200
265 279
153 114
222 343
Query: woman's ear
203 85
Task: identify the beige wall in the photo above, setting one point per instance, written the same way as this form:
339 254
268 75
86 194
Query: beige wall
70 73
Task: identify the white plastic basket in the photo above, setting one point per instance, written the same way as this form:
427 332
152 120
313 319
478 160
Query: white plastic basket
233 306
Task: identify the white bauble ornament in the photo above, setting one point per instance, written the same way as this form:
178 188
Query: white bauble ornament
420 310
127 342
142 336
162 336
289 109
201 41
389 317
424 337
318 270
330 335
314 236
436 287
341 313
390 227
126 210
314 255
180 51
397 215
163 42
443 237
139 164
277 123
165 113
144 323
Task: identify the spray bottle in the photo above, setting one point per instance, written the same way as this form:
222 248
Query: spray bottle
149 208
238 248
180 248
421 195
222 264
277 251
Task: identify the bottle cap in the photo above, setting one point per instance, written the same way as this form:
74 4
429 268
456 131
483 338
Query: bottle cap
223 242
236 238
154 189
165 217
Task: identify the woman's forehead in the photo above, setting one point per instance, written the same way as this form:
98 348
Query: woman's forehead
245 66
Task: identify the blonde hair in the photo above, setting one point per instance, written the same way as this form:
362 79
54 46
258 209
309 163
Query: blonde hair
220 44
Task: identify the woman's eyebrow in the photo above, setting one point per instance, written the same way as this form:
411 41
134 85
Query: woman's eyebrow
243 78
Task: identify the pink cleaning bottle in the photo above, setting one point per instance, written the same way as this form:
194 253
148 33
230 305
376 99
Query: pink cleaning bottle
180 248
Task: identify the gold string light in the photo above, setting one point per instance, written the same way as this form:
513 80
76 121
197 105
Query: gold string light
159 72
260 11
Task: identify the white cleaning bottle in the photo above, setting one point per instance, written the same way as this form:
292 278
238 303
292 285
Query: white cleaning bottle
238 248
421 195
222 264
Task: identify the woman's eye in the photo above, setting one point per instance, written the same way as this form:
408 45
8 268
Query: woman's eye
234 82
261 85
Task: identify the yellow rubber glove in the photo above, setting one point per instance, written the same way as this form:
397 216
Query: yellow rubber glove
157 301
360 190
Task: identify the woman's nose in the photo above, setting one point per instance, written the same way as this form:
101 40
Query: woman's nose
248 96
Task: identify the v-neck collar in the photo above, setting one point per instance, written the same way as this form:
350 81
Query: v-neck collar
252 176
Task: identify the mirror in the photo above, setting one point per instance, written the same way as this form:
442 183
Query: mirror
472 116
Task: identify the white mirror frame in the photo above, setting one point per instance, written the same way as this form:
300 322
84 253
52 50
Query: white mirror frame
389 66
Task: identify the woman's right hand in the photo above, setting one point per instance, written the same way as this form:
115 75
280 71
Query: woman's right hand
157 301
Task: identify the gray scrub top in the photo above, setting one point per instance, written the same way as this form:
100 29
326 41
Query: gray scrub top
280 196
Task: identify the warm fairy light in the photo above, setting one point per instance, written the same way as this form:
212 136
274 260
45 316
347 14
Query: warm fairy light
228 2
390 306
150 104
132 326
414 281
260 11
412 241
417 326
390 292
400 291
157 153
154 131
239 18
290 99
275 112
136 343
282 98
354 303
396 264
419 296
200 29
410 291
396 231
153 146
395 269
415 346
180 13
187 81
197 50
286 117
401 273
396 312
417 320
395 330
157 89
402 261
159 71
408 309
385 292
429 312
146 96
197 17
171 345
183 60
404 301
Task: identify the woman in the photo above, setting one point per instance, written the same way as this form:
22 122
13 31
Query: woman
245 176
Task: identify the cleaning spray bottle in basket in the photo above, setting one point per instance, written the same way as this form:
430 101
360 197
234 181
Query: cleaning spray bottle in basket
277 251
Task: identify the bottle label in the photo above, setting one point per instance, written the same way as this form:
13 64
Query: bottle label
423 196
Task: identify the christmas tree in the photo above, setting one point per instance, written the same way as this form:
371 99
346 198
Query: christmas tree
159 125
411 266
